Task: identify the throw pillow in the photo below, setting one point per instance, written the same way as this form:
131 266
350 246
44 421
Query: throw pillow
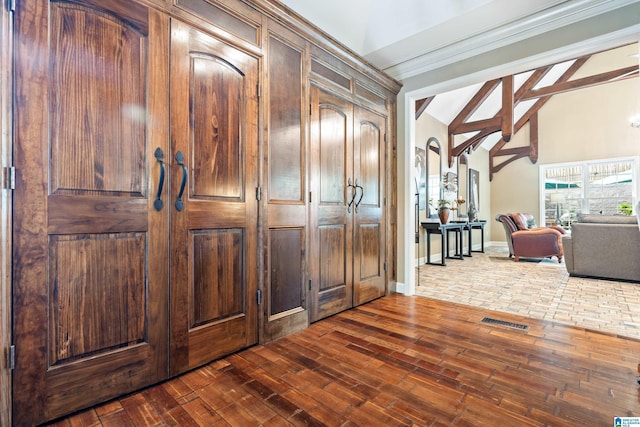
519 219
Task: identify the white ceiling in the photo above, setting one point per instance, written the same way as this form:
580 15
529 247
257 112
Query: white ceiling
408 37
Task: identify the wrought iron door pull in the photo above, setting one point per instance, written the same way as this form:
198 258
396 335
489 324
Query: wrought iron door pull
158 203
180 160
353 197
361 194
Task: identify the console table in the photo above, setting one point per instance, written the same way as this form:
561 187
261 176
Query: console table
443 230
470 226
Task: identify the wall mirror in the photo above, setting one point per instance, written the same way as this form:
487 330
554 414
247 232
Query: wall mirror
463 185
434 175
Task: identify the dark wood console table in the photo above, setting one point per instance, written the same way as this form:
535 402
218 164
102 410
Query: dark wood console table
470 226
443 230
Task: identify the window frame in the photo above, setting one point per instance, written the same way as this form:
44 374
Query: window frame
584 189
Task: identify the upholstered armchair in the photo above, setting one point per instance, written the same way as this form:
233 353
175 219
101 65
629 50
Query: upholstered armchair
527 240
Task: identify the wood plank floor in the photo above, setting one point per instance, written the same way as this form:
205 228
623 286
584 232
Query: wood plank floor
401 361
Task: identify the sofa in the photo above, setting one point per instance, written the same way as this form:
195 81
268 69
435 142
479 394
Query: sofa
604 246
525 239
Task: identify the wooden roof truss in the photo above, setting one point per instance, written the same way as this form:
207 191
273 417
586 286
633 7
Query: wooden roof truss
503 120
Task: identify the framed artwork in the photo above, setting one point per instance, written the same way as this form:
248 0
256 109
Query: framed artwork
474 189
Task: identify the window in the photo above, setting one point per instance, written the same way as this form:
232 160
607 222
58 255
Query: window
606 187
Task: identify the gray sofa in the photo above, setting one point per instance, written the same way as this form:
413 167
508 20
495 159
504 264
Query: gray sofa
603 246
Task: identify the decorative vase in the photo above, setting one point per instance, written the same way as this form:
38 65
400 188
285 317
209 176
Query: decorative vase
443 214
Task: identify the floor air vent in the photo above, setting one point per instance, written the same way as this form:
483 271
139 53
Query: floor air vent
503 323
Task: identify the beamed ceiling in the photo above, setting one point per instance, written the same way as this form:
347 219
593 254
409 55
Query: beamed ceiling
411 38
490 113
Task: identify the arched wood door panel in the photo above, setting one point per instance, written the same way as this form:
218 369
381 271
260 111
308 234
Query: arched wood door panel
90 251
369 215
347 219
331 260
214 236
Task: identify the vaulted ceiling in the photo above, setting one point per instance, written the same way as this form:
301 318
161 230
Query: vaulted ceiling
489 114
408 37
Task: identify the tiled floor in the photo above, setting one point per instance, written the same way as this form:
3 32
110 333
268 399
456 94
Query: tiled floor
534 288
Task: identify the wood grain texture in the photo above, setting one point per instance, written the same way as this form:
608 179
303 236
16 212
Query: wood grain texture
243 28
214 268
6 207
88 294
215 105
402 361
98 120
286 249
286 156
89 314
369 217
285 306
331 221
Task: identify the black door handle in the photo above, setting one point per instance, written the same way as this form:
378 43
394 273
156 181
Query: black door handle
180 160
353 197
158 203
361 194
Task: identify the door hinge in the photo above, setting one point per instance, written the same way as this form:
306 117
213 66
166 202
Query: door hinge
310 283
385 266
310 110
258 193
385 137
9 178
309 196
259 90
12 357
259 296
11 5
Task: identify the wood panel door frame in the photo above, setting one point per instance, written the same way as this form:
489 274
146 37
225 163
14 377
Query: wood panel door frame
369 216
6 207
284 202
363 216
97 209
220 206
330 217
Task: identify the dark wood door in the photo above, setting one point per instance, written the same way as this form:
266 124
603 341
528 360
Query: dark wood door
90 250
369 212
213 207
284 307
331 170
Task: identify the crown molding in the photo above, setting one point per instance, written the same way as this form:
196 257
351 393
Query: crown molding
536 24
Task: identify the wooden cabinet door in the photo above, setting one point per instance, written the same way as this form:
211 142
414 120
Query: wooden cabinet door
331 168
90 250
369 213
213 203
284 307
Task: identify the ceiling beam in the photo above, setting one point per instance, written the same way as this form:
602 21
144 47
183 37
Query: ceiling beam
507 108
533 111
598 79
422 104
503 120
473 104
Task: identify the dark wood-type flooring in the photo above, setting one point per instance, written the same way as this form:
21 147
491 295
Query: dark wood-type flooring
401 361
